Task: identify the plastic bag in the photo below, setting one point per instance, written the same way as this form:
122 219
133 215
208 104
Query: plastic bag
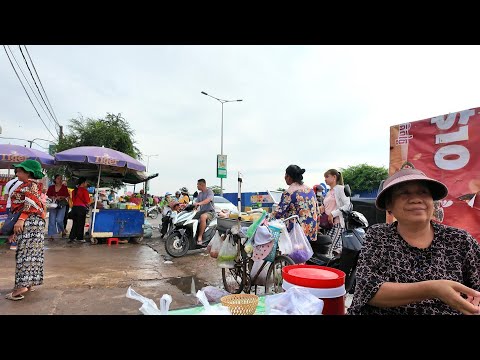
148 305
284 241
228 254
214 294
209 309
302 250
294 301
215 245
252 228
249 246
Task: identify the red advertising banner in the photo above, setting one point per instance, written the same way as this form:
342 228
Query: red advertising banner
446 148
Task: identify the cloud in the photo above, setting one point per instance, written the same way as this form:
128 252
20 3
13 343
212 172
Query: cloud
319 107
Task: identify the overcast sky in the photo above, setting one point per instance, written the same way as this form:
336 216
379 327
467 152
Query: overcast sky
318 107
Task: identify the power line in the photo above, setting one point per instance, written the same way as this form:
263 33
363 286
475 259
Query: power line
31 88
26 92
40 81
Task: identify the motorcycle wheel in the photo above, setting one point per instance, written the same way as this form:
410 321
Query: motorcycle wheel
176 245
234 279
273 282
153 214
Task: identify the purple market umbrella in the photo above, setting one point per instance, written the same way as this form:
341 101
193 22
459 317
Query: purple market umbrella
15 154
109 161
97 155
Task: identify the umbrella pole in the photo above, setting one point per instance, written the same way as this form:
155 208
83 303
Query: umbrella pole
96 199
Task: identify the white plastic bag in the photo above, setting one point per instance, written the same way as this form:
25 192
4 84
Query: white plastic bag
228 254
284 242
294 301
302 250
209 309
215 245
148 305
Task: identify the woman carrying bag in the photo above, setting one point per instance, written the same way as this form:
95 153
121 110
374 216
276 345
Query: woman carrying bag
28 229
335 201
58 192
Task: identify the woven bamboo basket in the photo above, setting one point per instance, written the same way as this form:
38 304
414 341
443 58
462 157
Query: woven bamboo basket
240 304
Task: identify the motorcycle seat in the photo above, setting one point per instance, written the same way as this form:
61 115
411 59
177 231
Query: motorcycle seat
324 240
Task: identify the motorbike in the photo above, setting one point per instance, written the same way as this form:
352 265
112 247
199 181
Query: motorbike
183 235
153 212
352 242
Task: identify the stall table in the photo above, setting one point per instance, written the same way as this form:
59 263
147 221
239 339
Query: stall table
119 223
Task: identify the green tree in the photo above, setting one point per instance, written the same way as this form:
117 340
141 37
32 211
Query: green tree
280 189
216 189
364 177
113 132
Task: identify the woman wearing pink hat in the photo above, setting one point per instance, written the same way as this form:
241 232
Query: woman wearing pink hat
416 266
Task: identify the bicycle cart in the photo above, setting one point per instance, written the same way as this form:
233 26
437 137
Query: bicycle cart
240 277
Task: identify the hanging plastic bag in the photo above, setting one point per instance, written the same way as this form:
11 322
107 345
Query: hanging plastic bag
294 301
284 241
215 245
228 254
252 228
148 305
249 246
209 309
302 250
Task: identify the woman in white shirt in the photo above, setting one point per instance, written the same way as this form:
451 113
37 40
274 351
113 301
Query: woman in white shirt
335 201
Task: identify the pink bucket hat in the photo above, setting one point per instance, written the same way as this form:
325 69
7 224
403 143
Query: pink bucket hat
437 188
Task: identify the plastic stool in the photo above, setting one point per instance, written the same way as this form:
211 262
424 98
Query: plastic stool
110 240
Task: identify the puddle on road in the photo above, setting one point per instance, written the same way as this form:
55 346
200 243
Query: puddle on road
187 284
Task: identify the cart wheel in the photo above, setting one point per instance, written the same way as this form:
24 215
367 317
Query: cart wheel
94 241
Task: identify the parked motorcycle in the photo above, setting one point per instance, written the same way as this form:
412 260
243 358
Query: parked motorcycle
352 243
153 212
183 235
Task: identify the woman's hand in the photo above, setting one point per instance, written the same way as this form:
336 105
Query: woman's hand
322 209
18 228
330 218
450 292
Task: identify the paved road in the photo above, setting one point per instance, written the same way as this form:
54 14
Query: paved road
93 279
84 279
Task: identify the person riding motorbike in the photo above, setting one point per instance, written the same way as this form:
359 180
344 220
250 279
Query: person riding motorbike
165 205
184 199
207 210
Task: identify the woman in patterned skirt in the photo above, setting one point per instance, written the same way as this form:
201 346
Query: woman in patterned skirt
28 230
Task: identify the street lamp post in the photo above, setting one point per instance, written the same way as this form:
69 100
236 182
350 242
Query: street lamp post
146 170
222 101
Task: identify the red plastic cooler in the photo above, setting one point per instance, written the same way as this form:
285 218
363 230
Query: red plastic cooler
324 282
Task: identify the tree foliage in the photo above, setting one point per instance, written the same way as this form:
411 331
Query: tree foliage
280 189
216 189
113 132
363 177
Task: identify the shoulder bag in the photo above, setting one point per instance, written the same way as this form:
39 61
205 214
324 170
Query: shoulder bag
7 228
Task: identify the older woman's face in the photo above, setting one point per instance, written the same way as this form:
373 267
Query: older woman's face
22 174
411 202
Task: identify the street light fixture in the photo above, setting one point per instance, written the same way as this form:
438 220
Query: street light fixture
222 101
146 170
148 160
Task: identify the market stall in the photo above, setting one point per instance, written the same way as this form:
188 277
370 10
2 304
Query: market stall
106 166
